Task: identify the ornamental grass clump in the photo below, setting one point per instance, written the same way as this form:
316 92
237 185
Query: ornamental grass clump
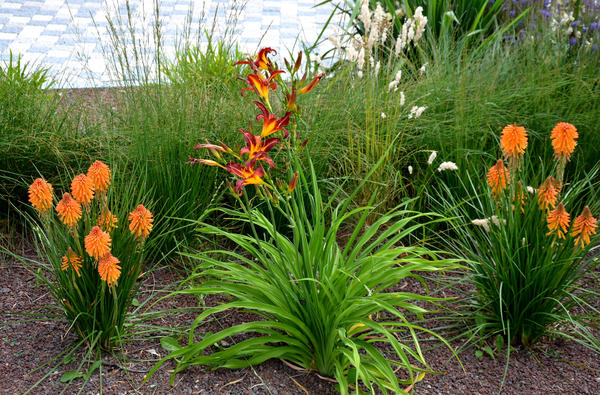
528 245
319 307
93 258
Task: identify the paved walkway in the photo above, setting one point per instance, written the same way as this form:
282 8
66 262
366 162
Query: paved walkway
71 37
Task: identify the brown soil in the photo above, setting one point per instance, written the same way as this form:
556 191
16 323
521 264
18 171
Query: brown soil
28 342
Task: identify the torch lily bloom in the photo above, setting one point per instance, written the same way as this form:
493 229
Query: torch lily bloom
563 140
82 189
100 175
257 149
71 260
584 226
558 221
109 269
513 141
248 174
97 243
40 195
107 221
547 193
69 210
270 122
140 222
261 61
497 178
261 85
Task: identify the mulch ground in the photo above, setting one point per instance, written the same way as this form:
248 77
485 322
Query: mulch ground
29 341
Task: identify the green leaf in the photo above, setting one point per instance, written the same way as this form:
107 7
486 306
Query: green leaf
135 302
70 376
169 344
499 342
478 353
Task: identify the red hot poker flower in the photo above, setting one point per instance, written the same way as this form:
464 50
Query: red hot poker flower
261 85
270 122
498 178
248 174
583 227
558 221
547 193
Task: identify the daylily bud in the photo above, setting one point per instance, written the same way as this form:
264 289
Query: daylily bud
293 183
298 62
312 84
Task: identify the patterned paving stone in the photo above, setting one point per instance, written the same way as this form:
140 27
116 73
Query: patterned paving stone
70 37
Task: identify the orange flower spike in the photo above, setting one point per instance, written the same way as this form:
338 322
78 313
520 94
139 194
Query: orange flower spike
97 243
312 84
558 221
513 141
109 269
140 222
100 175
563 140
71 260
497 178
547 193
40 195
107 221
82 189
69 210
583 227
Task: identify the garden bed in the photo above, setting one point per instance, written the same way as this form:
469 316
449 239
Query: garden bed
556 366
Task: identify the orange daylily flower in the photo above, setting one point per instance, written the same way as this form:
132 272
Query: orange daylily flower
207 162
97 243
257 149
40 195
312 84
82 189
71 260
563 140
69 210
547 193
140 222
513 141
261 85
583 227
270 122
107 221
109 269
100 175
497 178
261 60
558 221
248 174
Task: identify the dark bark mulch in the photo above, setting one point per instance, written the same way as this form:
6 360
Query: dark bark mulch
558 366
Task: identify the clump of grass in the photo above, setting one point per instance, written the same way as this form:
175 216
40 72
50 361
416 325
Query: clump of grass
37 133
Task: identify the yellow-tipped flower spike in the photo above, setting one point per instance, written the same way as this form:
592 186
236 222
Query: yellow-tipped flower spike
558 221
97 243
497 178
140 222
583 227
82 189
547 193
109 269
100 175
69 210
40 195
71 260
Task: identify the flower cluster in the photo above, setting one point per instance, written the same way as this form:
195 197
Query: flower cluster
73 206
513 143
264 79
